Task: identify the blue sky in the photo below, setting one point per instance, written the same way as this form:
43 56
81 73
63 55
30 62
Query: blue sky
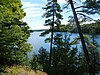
34 11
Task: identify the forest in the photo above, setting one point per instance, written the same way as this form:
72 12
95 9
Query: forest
64 57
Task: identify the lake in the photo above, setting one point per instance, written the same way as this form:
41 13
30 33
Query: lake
37 41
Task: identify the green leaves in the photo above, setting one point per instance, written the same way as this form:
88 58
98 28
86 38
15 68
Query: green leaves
13 32
52 7
92 6
87 40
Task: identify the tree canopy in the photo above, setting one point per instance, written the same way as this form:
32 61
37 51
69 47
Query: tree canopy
13 33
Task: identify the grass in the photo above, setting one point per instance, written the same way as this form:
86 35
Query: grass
20 70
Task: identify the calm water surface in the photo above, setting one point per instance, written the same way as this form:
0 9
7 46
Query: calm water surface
37 41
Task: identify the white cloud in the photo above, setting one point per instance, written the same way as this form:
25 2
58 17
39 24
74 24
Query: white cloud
29 4
33 15
34 12
61 1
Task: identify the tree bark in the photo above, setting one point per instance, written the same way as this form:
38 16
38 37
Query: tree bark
51 44
86 54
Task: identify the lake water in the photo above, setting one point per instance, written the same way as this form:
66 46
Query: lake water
37 41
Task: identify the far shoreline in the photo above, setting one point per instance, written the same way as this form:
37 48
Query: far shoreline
40 30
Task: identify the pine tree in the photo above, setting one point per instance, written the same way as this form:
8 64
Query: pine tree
91 71
53 16
91 7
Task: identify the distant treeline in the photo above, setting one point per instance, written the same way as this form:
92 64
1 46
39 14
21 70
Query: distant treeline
93 28
86 28
89 28
38 30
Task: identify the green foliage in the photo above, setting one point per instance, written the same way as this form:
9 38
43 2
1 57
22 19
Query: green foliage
13 33
53 14
94 53
43 58
92 6
93 28
64 57
85 7
34 62
40 61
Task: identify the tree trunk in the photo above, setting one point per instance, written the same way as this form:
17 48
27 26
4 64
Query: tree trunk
91 71
94 60
52 33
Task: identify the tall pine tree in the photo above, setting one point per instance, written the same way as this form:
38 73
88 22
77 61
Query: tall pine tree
53 16
86 54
